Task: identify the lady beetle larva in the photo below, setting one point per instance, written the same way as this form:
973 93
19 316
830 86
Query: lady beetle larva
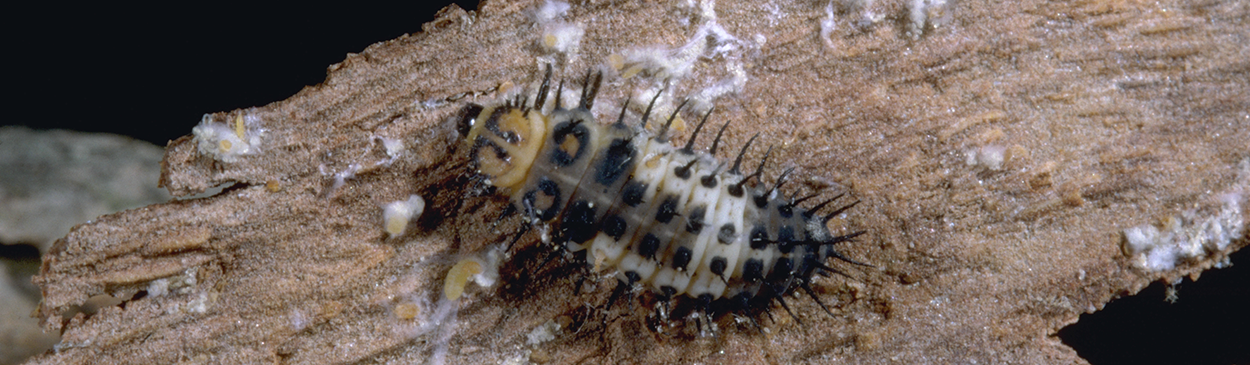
671 219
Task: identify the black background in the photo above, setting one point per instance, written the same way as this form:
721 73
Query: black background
151 71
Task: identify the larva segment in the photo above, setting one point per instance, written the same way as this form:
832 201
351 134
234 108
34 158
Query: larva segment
686 251
621 223
562 160
763 256
504 142
721 261
596 193
639 209
668 221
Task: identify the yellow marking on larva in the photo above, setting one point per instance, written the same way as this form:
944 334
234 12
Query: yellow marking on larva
516 123
652 162
570 146
225 145
458 277
491 165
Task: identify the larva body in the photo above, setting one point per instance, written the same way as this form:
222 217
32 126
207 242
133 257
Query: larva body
671 219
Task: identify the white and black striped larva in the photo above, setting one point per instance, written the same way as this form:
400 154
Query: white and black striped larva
670 219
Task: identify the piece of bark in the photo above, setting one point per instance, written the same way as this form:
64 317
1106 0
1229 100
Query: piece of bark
49 182
1000 152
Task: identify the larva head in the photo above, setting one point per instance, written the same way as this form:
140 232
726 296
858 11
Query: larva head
504 141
